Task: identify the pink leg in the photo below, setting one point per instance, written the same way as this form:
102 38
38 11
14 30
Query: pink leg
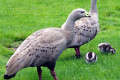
39 73
77 52
53 74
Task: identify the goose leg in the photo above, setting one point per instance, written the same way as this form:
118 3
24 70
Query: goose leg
77 52
53 74
39 73
51 66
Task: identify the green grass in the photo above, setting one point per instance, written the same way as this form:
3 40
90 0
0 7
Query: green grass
20 18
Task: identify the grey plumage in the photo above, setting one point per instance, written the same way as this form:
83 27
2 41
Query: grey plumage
86 28
43 47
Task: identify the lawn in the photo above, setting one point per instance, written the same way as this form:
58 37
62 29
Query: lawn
20 18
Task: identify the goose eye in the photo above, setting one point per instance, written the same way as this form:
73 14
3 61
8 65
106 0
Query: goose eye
82 11
6 66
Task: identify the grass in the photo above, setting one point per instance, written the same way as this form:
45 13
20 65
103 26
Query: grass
20 18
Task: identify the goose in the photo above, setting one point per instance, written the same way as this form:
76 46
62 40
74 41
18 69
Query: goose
85 29
106 47
43 47
90 57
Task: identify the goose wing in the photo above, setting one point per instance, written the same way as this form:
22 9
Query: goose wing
39 48
85 30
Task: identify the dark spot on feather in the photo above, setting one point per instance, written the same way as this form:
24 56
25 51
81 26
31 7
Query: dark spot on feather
52 50
80 33
17 65
83 29
90 30
84 26
78 29
29 54
37 56
6 66
18 59
36 49
75 32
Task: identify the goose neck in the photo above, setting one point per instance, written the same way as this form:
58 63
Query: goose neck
93 6
69 26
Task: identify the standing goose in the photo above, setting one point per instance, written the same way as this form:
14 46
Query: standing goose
43 47
85 29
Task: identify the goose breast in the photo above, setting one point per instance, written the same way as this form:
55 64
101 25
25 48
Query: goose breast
85 30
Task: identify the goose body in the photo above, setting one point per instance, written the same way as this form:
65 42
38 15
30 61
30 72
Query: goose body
106 47
86 29
90 57
43 48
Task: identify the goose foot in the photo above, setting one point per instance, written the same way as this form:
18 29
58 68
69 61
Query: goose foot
78 56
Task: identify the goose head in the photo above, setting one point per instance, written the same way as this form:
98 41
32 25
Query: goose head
90 57
77 14
73 16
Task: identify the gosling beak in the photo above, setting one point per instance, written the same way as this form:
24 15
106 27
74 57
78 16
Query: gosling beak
87 15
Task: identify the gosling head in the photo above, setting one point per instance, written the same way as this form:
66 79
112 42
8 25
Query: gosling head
112 50
90 57
78 13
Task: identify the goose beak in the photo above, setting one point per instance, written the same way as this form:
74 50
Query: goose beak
87 15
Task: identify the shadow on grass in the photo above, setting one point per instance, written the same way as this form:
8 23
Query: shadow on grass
106 53
70 57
